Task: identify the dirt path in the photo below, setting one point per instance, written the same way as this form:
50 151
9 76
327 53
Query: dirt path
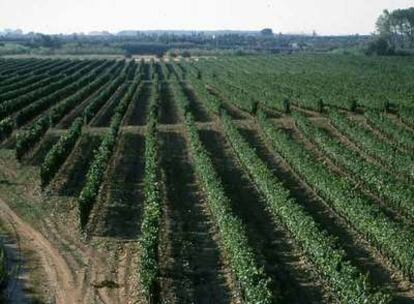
58 273
62 268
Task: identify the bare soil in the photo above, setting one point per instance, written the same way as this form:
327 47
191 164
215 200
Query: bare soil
358 251
137 114
72 176
121 198
275 250
191 270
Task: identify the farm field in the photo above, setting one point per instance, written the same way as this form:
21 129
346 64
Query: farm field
233 179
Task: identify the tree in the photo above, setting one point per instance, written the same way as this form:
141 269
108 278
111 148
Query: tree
266 32
380 46
49 41
397 27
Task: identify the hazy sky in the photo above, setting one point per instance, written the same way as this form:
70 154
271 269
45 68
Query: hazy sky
67 16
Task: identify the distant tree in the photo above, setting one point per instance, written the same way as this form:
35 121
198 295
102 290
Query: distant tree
380 46
186 54
266 32
49 41
397 27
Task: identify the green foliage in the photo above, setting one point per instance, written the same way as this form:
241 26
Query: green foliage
149 238
101 159
34 77
398 134
27 139
306 78
59 152
211 102
80 89
406 114
252 279
95 176
6 128
396 194
391 238
386 153
97 102
47 94
286 105
64 106
349 285
396 28
380 46
3 272
148 241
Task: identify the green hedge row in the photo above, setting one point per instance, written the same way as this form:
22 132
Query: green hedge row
149 237
349 285
101 159
398 195
392 239
59 152
252 279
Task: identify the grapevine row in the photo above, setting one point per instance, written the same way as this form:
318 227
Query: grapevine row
348 283
54 89
26 139
392 239
395 193
391 157
102 156
80 85
150 226
34 82
400 135
252 279
59 152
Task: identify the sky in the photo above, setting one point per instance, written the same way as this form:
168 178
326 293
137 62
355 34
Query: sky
327 17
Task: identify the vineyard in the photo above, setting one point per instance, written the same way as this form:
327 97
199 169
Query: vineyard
236 179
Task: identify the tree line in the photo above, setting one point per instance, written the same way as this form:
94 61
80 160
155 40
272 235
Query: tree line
395 32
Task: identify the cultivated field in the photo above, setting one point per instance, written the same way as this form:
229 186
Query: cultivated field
252 179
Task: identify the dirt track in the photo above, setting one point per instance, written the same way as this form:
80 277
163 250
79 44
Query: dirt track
58 273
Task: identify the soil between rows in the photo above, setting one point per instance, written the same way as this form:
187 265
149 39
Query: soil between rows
72 176
191 270
291 279
137 116
357 250
122 192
